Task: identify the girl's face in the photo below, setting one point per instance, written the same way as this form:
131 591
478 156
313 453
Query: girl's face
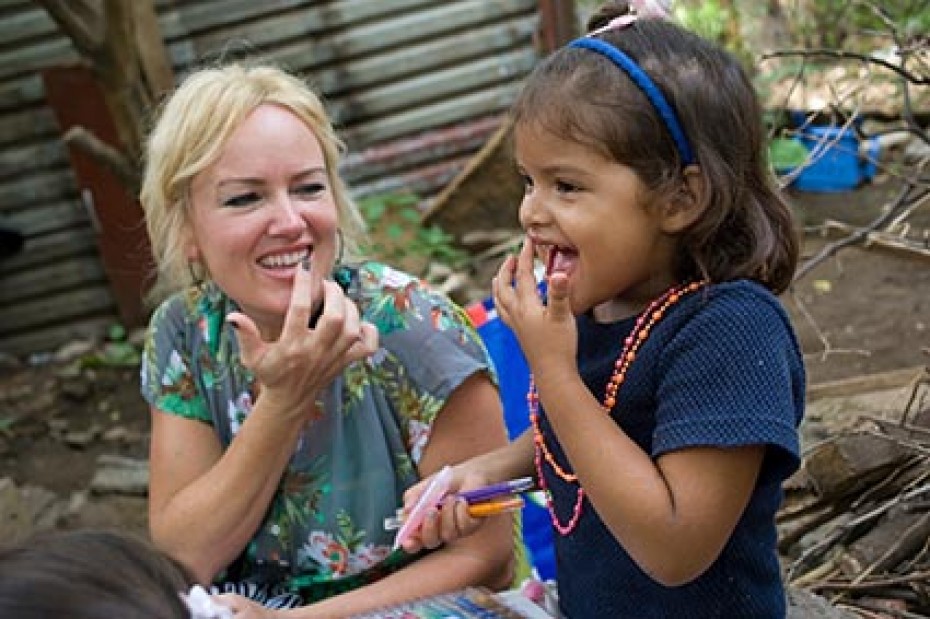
264 206
585 215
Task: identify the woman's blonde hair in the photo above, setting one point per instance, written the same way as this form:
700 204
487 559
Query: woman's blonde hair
189 134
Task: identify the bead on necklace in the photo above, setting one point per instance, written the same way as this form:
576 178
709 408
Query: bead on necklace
644 324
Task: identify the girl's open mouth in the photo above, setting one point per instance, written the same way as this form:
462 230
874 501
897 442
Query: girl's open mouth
560 260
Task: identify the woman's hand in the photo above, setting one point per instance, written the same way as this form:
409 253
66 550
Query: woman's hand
449 520
293 369
245 608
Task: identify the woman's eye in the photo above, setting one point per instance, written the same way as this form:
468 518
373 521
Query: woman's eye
242 199
310 189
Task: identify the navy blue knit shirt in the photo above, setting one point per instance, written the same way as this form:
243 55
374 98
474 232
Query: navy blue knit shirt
722 368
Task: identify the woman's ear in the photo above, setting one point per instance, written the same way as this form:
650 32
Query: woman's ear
189 244
687 204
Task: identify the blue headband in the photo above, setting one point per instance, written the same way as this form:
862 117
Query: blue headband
649 88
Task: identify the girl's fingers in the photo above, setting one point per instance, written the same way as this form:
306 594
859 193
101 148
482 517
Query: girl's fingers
445 523
430 530
459 522
502 286
524 276
515 289
558 304
505 273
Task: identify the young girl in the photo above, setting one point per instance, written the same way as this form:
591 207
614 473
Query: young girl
667 382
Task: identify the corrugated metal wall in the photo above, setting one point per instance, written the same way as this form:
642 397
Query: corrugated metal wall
415 87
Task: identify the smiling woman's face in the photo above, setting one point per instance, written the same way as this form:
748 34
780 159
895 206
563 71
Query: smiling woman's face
263 207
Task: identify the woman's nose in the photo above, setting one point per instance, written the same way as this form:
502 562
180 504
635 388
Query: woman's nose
286 217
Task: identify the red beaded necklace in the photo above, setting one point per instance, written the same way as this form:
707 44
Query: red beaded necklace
644 324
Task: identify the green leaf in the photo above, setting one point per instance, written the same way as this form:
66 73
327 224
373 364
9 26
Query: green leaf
410 214
787 153
372 209
116 333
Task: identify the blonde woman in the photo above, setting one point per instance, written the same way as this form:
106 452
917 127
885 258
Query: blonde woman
288 415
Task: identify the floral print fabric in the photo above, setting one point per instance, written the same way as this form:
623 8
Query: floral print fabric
352 464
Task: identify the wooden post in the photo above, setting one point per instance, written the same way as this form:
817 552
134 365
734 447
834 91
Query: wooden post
558 24
122 42
77 101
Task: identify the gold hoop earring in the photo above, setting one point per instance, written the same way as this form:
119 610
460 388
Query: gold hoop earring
197 272
340 244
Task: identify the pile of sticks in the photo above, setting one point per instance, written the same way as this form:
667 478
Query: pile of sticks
855 526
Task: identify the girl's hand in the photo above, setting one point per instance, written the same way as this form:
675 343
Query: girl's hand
449 520
546 330
293 369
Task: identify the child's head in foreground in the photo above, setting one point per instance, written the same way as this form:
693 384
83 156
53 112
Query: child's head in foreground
87 574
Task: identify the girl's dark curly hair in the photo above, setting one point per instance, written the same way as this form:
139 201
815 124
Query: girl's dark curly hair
746 230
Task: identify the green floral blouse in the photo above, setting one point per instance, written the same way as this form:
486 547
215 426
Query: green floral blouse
350 468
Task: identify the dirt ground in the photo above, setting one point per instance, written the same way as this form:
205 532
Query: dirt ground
863 310
860 312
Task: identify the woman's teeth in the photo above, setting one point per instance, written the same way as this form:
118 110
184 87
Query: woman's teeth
283 260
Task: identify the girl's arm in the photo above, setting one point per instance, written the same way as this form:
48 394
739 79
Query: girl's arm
470 423
512 461
673 515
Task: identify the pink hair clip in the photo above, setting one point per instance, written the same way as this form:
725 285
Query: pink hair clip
617 23
660 9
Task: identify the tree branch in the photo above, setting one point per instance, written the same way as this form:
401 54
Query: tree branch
838 53
82 20
111 158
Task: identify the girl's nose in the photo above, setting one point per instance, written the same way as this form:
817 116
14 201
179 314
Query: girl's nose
286 218
533 212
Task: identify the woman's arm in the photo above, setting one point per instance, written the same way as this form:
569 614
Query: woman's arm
470 423
205 505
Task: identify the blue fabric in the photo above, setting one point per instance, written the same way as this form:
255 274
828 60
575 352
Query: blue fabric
514 378
723 368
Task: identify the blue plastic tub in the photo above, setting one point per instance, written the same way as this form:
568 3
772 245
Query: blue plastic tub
838 159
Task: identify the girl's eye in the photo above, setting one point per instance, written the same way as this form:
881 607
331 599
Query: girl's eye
565 187
527 183
242 199
310 189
